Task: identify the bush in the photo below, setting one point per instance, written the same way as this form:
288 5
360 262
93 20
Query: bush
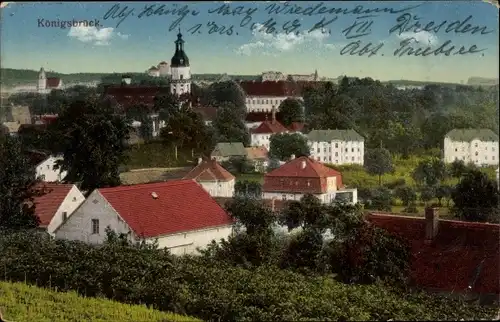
395 183
209 289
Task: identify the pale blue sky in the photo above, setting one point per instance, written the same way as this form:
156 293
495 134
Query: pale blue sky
137 43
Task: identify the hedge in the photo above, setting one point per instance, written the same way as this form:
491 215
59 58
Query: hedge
208 289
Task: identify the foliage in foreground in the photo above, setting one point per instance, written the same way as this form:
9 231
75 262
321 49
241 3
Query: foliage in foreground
21 302
208 289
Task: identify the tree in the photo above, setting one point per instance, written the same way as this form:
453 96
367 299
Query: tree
18 187
140 113
291 110
92 139
458 168
475 198
380 199
283 145
229 125
442 191
378 162
408 196
430 172
228 92
427 193
248 189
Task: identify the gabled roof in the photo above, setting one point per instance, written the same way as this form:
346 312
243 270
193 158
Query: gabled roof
257 152
334 135
209 170
47 205
227 149
464 256
304 167
131 95
180 206
467 135
53 82
270 127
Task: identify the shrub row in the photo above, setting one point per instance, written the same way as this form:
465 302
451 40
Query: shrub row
208 289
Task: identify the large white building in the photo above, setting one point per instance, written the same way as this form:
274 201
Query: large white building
479 146
337 146
264 96
261 136
180 82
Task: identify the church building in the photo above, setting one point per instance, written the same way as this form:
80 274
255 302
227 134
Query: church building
46 84
180 82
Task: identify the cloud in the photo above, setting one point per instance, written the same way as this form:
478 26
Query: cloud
272 44
423 37
99 37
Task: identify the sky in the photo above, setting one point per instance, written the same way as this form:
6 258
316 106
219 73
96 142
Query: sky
31 37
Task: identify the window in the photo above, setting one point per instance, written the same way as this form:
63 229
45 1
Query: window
182 76
48 166
352 150
346 149
486 158
324 150
95 226
336 145
493 158
456 150
42 177
74 198
64 216
358 149
476 153
318 150
336 154
352 159
492 149
283 197
475 145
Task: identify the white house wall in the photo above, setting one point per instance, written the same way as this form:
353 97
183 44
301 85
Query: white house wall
68 206
46 172
476 151
338 152
323 197
263 139
219 188
187 242
79 224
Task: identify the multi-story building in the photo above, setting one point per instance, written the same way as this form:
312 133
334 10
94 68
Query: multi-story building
263 96
479 146
261 135
337 146
301 176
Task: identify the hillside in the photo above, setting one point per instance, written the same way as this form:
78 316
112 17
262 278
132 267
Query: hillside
482 81
18 77
20 302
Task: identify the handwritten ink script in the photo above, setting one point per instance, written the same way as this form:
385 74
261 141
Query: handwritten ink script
289 18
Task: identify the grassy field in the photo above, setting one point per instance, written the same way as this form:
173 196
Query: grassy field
156 155
20 302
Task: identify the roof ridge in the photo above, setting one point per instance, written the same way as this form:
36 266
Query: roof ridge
145 185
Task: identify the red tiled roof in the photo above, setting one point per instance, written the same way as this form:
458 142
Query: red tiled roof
301 175
269 88
181 205
48 119
296 127
459 252
312 169
269 127
53 82
209 170
47 205
133 95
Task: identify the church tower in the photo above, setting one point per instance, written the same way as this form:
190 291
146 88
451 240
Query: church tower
180 82
42 81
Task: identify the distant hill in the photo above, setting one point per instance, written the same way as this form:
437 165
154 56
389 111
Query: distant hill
10 77
403 82
476 81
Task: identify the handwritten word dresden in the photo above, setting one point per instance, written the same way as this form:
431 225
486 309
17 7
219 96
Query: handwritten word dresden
411 23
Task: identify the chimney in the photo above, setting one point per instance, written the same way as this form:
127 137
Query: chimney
200 160
273 114
292 157
126 79
431 223
303 164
